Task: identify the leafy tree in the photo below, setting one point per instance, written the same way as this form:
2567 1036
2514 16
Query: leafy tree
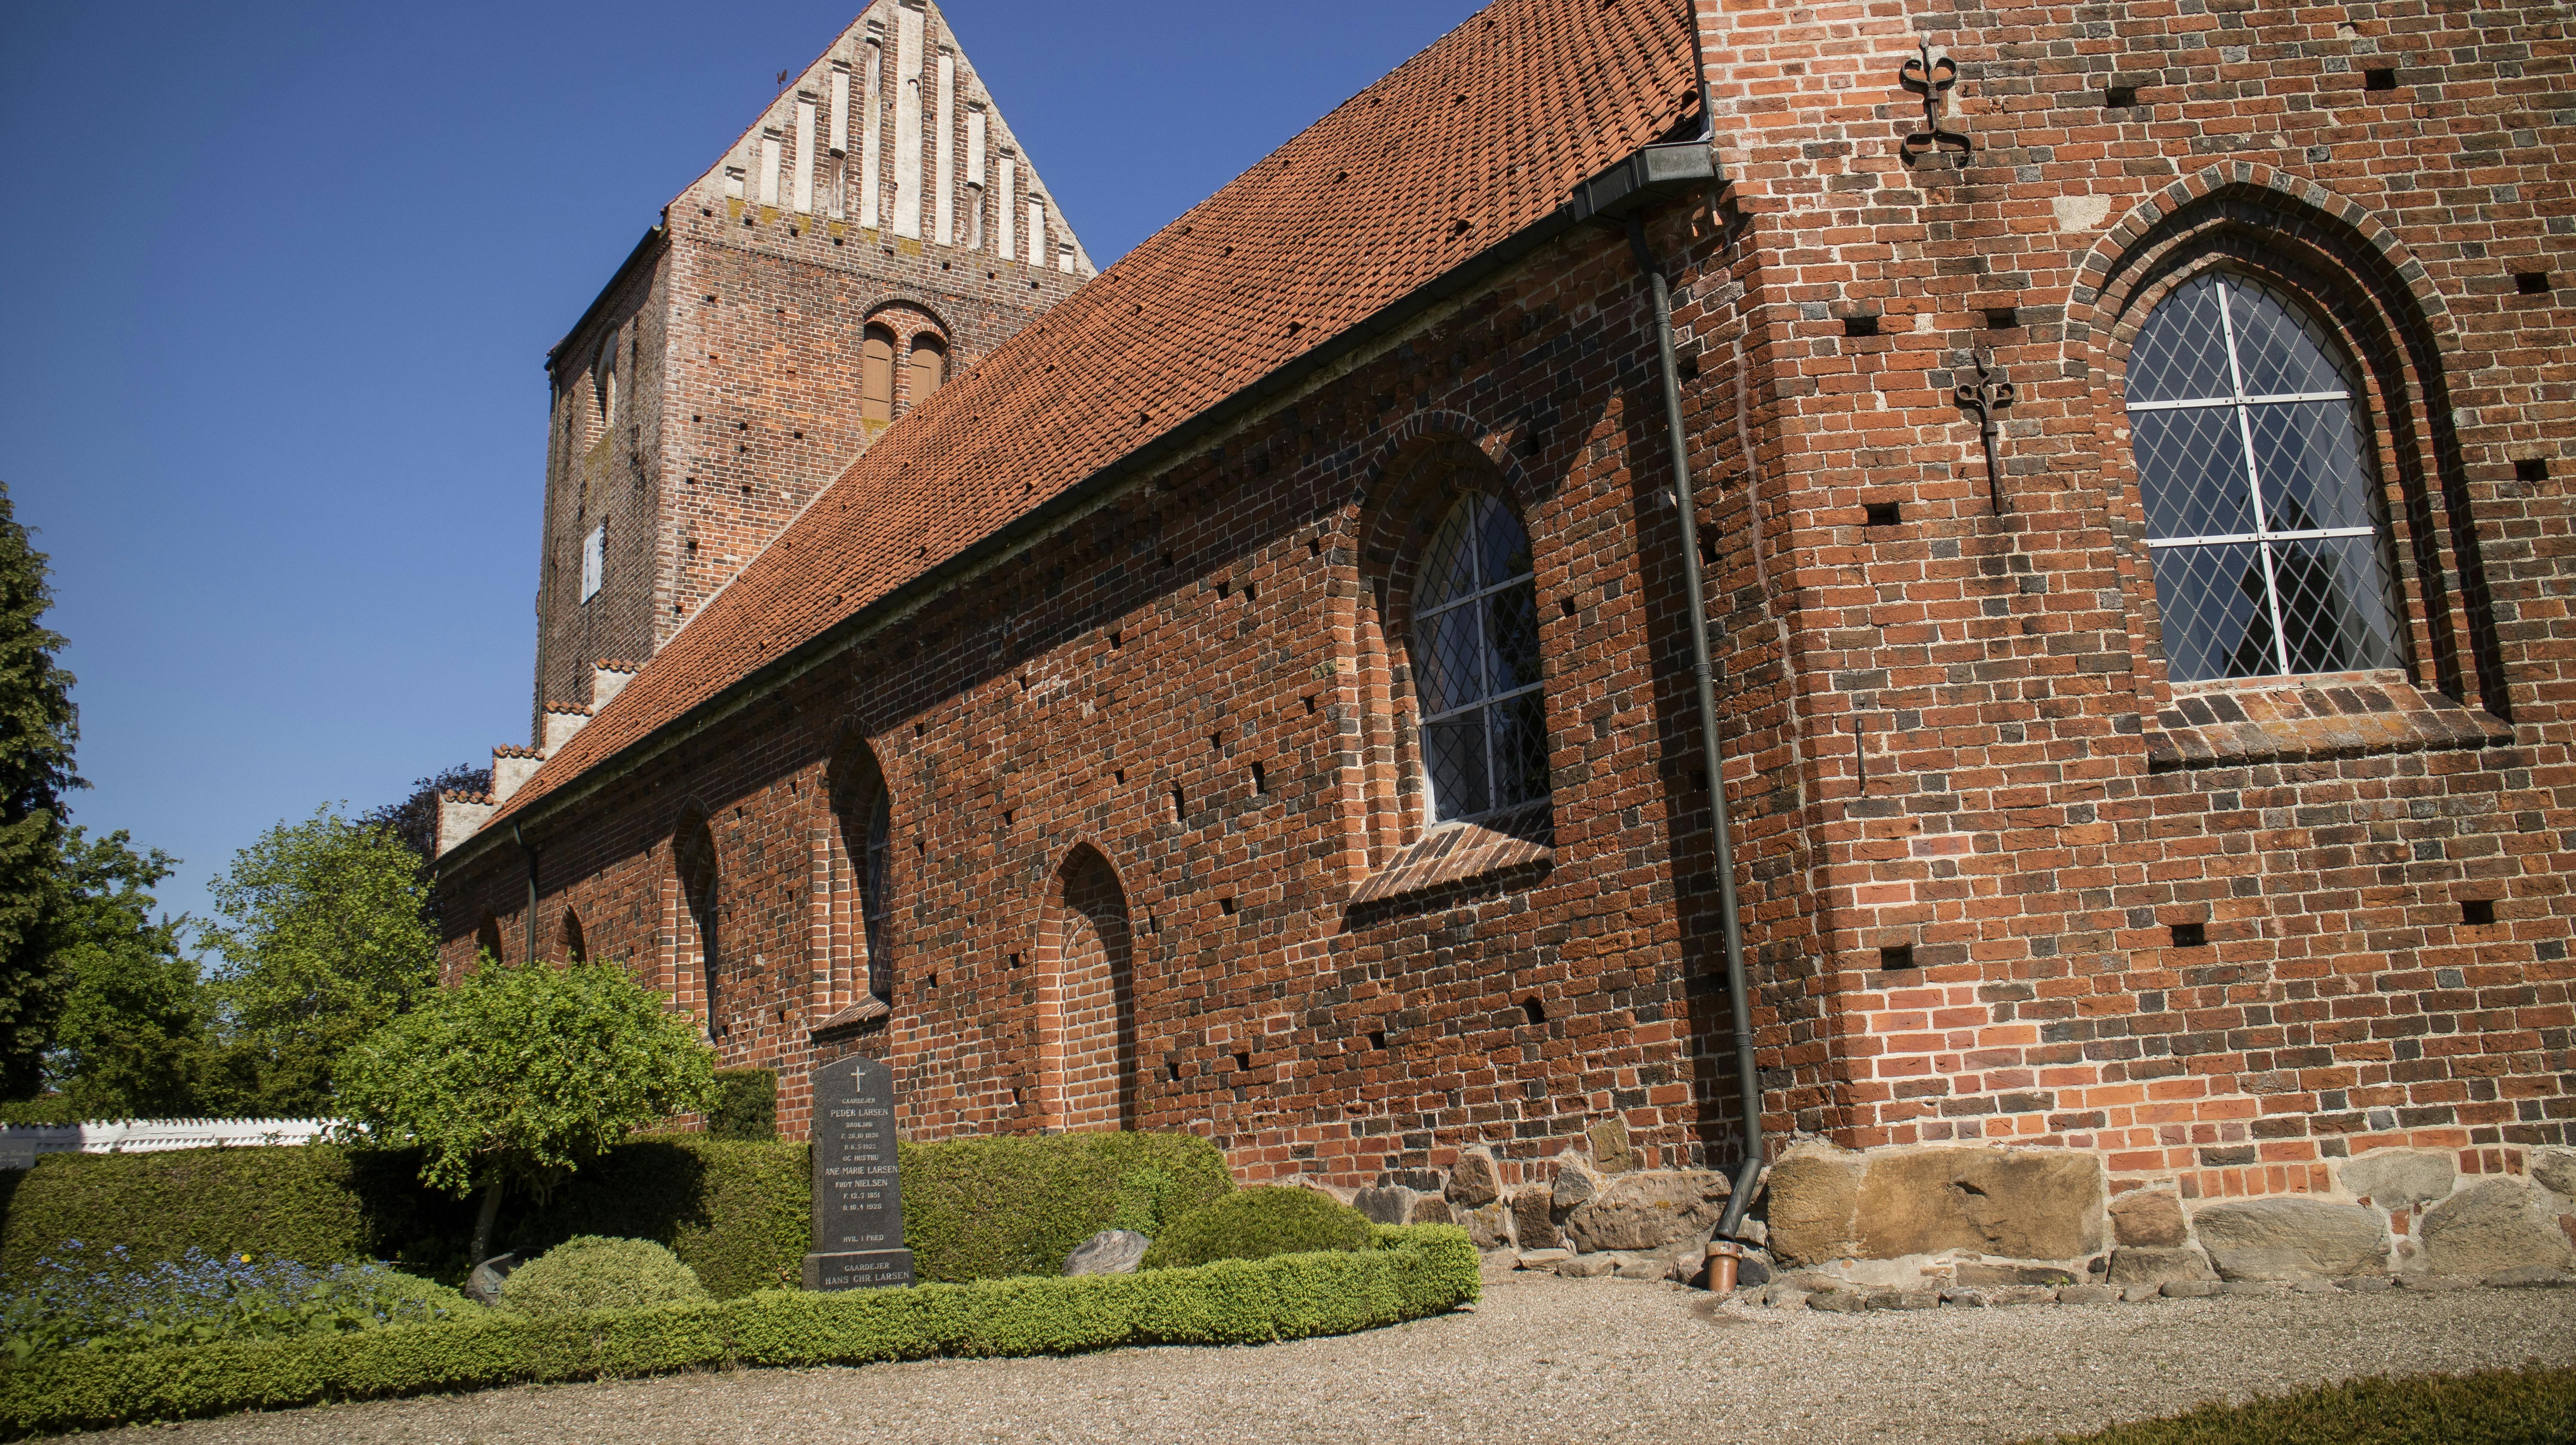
132 1039
38 726
518 1076
326 942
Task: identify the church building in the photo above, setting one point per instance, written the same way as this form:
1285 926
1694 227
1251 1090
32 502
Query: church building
1968 604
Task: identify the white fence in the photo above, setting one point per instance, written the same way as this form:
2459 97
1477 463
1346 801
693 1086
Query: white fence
21 1143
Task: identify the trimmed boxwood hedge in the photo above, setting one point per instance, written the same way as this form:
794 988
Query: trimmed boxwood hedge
1412 1272
1018 1204
737 1213
313 1203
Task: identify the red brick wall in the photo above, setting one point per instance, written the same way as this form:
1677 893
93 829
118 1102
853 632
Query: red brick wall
1220 618
2003 778
1952 735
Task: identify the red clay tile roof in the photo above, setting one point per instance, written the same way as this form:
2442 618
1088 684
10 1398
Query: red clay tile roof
1483 133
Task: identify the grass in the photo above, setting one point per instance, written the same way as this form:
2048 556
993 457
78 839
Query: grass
2529 1406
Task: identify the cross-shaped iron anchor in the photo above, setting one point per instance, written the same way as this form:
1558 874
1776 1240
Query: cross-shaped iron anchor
1931 77
1987 395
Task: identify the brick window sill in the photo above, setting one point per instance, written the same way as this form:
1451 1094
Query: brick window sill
2337 715
869 1009
1492 855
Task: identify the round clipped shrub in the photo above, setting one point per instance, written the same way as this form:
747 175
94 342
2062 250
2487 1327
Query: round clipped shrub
1257 1223
589 1272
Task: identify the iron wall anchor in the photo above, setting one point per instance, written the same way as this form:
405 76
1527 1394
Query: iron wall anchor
1990 393
1931 77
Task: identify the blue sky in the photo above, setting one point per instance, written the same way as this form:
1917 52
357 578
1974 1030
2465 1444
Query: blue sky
281 281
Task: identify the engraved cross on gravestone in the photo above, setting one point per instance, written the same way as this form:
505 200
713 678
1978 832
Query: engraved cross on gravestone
858 1196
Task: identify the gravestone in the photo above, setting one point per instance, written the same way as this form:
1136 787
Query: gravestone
858 1196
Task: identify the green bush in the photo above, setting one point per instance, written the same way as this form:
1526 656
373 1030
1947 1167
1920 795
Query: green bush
738 1214
2532 1406
1256 1224
746 1106
1413 1272
997 1207
594 1273
316 1204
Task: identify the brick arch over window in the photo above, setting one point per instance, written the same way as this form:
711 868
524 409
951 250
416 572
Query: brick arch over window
693 910
1428 481
1086 998
855 984
2346 272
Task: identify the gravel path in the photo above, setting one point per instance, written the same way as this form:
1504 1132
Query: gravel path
1540 1359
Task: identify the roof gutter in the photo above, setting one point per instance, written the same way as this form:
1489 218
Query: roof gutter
645 249
1648 175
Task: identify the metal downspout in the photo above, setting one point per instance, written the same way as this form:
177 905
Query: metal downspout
1738 996
531 955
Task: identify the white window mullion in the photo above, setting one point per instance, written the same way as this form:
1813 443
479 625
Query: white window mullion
2276 399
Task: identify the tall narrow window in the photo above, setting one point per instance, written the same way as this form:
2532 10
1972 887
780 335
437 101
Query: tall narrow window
1475 653
2270 553
876 913
594 560
929 367
876 377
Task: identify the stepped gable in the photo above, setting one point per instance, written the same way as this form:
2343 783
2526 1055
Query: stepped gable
1484 132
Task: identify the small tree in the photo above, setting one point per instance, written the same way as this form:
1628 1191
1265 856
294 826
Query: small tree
518 1076
325 939
132 1039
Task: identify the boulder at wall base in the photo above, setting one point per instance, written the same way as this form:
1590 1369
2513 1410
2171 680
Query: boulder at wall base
1994 1201
1611 1153
1649 1210
2143 1264
1111 1251
2399 1178
1813 1200
1574 1184
1490 1227
2555 1169
2148 1218
2491 1226
1533 1218
1387 1204
1431 1209
1473 1183
2292 1238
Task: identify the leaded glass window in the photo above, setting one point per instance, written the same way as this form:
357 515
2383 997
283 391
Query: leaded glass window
2270 555
1475 650
875 912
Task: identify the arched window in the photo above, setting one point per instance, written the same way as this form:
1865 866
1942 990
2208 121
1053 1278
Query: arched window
487 941
929 367
701 950
876 376
1475 663
575 950
2263 521
875 907
863 884
604 372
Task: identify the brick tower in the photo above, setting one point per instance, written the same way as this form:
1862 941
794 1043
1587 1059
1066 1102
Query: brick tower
875 230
